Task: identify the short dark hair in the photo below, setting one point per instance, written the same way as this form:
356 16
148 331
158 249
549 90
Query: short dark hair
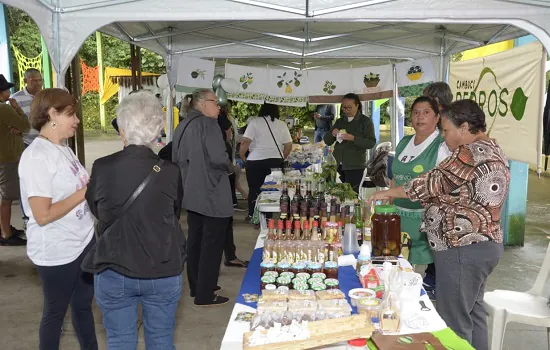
59 99
433 103
466 111
269 110
441 92
355 98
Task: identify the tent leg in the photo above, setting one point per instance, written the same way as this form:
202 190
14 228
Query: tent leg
77 93
394 122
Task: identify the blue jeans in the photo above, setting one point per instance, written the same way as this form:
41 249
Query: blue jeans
319 134
118 298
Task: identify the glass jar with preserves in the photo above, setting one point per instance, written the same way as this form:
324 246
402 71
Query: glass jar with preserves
331 269
298 267
386 231
266 266
264 281
314 267
284 282
283 266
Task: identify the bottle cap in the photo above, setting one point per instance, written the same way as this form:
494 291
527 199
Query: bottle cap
315 224
385 209
288 224
271 223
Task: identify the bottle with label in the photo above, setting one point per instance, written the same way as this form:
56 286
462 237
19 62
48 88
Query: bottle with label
269 242
319 194
298 194
288 231
324 214
284 202
298 248
309 195
358 217
338 249
278 240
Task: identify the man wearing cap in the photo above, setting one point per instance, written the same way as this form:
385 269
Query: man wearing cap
13 123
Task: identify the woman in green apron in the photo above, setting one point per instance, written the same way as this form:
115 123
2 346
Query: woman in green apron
415 155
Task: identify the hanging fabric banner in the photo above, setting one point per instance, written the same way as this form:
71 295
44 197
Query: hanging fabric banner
287 87
415 72
509 90
373 83
328 86
253 81
195 73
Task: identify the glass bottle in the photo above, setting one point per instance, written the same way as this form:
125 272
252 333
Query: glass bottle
358 217
297 249
386 231
298 194
309 196
269 242
324 213
284 202
390 313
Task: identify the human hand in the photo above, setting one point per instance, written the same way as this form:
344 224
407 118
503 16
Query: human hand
316 115
13 103
335 132
348 137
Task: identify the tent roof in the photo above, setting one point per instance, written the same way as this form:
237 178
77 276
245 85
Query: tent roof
290 43
250 30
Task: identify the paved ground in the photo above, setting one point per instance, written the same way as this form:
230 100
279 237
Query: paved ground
203 328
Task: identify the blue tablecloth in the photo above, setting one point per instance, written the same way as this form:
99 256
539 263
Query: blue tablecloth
251 282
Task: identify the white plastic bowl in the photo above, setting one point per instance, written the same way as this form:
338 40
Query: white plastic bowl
359 293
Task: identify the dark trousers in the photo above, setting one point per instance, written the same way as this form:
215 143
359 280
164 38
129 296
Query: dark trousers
256 171
232 179
352 177
63 285
460 284
229 249
205 242
430 270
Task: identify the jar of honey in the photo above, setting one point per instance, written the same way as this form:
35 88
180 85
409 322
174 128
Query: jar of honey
386 231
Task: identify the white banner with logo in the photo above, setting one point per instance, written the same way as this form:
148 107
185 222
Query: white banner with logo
253 81
328 86
509 88
287 87
415 72
195 73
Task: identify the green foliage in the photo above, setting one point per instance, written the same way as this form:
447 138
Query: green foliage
242 111
385 116
24 35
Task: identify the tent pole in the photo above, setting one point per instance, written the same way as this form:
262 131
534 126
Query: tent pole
99 43
170 99
442 58
394 122
77 93
133 66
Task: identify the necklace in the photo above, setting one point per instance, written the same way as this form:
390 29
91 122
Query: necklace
75 164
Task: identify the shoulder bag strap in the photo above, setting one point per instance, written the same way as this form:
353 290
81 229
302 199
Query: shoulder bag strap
273 136
183 132
156 169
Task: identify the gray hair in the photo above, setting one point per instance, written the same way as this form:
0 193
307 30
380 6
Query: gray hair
141 117
199 95
32 71
441 92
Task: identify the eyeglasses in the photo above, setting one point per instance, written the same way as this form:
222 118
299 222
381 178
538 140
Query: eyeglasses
215 101
347 108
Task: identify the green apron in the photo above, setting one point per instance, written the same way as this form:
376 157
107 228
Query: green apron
411 212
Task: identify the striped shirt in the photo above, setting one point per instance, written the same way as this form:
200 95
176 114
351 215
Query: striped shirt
24 99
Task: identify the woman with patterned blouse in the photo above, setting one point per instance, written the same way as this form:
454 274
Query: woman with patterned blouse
463 197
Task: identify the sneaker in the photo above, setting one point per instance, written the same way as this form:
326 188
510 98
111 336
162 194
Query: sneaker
236 207
13 241
218 300
248 219
17 232
217 289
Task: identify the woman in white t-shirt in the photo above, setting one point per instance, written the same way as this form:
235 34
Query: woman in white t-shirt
269 142
60 230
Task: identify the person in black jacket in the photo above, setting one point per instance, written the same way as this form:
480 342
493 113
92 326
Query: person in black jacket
140 253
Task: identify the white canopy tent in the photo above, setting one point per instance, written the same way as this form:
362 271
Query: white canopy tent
304 34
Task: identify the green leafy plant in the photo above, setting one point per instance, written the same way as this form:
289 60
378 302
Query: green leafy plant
329 87
342 191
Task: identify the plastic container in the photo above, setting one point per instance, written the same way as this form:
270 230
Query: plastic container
350 240
369 306
359 293
386 231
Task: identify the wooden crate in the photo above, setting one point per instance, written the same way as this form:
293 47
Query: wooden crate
322 333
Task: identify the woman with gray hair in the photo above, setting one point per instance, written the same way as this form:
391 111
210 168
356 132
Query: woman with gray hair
140 252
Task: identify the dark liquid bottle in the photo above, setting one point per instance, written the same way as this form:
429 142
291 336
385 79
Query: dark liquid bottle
309 196
298 194
284 202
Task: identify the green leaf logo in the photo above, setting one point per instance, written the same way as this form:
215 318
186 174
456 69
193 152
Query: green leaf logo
519 101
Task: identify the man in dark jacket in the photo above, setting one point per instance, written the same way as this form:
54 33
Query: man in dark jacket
200 152
323 115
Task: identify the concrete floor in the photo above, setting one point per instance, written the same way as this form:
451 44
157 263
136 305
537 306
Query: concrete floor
203 328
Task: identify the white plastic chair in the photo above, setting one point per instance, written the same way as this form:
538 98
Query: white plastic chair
529 307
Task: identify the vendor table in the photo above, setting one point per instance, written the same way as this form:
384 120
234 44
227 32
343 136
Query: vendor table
233 338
